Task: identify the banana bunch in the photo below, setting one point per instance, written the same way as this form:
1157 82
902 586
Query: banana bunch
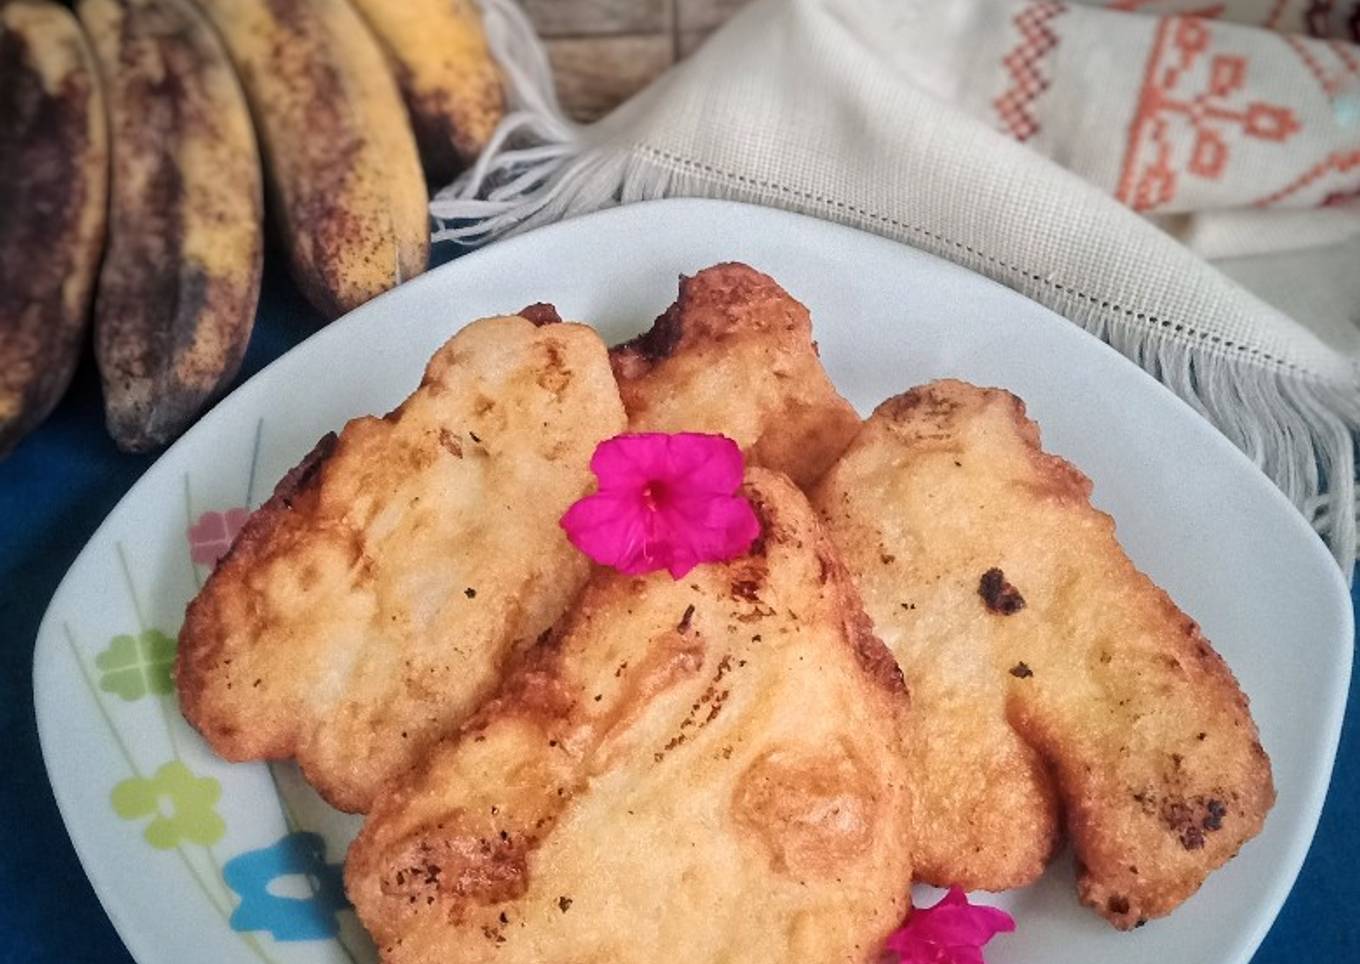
53 179
348 101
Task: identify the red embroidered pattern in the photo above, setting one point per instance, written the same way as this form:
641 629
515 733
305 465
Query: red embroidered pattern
1277 11
1344 54
1211 11
1156 155
1340 162
1329 84
1025 66
1338 199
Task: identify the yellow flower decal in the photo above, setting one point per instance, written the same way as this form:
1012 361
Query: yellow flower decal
183 804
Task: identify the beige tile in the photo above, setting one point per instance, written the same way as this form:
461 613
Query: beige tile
697 15
691 40
596 74
577 18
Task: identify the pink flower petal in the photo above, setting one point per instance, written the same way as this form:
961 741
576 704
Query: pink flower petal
628 461
664 502
718 527
953 931
707 464
964 925
608 527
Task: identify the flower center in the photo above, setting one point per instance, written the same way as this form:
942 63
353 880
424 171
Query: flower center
653 494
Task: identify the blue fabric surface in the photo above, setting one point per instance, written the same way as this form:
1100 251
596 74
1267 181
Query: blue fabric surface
60 483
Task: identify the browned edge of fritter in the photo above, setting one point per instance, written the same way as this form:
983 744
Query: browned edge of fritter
638 355
1064 480
200 638
541 313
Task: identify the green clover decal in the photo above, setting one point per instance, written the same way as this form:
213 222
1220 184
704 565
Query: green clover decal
183 805
133 667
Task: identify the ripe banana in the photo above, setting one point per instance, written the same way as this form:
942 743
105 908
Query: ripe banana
452 86
177 291
53 184
341 158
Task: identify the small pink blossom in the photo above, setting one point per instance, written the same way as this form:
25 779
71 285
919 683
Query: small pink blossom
664 502
953 931
212 535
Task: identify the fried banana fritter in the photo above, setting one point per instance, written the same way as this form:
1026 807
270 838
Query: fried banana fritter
734 356
987 808
707 769
1009 603
369 606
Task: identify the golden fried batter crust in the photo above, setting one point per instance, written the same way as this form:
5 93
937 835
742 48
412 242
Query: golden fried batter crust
734 356
1033 647
369 606
708 769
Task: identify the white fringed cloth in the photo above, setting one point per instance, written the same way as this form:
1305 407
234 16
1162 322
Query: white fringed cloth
1179 177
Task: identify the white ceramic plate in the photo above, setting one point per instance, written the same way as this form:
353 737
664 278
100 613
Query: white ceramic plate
198 860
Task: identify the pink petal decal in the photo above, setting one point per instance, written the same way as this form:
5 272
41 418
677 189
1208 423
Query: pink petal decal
212 535
664 502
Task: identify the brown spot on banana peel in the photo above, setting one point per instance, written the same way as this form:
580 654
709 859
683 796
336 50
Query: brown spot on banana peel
180 280
445 147
53 183
438 52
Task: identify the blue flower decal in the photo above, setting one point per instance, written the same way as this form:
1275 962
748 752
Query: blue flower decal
287 918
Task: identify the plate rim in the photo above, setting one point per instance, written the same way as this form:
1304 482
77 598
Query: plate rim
1314 796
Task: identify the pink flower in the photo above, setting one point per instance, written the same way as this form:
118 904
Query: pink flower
664 502
211 536
951 932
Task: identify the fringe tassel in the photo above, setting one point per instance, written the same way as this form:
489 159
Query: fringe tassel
1300 433
541 168
534 141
